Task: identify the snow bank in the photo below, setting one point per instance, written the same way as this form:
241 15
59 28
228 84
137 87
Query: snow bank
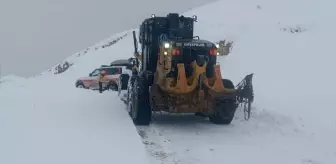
48 120
12 80
61 124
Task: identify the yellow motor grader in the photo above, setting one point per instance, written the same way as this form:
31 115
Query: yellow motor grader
177 72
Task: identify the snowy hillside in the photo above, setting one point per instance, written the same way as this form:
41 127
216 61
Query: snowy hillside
287 44
11 79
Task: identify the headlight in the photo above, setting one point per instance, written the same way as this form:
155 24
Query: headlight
217 45
166 45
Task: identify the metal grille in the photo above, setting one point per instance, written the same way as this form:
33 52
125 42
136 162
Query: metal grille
190 53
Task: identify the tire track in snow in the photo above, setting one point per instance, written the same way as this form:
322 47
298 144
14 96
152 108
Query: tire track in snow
157 145
162 150
179 138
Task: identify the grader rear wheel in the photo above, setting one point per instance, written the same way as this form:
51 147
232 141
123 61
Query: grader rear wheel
226 108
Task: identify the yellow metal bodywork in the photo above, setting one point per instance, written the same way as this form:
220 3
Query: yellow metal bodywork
182 94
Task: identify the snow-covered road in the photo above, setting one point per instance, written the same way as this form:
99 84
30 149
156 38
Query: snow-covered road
266 138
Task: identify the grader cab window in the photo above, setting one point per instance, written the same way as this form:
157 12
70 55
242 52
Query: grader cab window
158 29
151 29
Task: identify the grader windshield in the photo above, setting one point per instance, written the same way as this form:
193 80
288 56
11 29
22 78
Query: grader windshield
157 30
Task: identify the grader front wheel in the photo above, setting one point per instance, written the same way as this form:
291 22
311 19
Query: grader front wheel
141 112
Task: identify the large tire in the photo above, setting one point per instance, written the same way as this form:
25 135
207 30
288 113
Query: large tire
224 112
80 86
112 86
141 112
129 94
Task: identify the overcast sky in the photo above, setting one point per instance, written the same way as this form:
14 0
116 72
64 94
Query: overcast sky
37 34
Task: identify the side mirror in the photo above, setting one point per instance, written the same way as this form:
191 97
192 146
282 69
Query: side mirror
195 18
137 44
90 74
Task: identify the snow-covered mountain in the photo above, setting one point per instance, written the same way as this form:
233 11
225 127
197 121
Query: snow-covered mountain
47 31
287 44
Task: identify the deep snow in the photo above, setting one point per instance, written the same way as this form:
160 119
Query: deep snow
293 119
50 121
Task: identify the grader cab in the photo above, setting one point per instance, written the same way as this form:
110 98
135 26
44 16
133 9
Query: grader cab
177 72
